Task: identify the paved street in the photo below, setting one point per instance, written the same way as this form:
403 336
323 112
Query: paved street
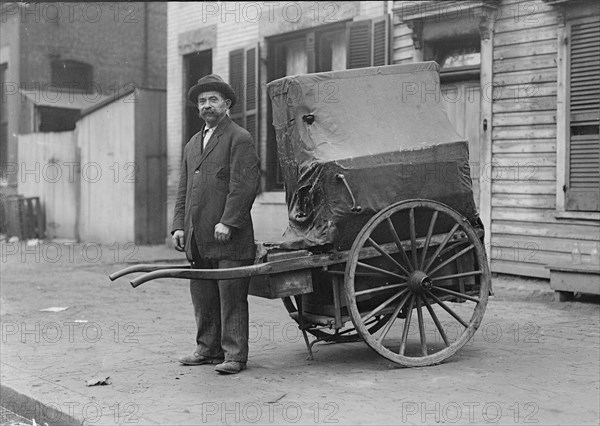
533 361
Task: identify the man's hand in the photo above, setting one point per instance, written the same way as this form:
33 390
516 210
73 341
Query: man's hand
222 233
178 240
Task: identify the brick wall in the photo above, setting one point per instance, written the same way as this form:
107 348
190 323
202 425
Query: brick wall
108 36
237 25
9 56
235 32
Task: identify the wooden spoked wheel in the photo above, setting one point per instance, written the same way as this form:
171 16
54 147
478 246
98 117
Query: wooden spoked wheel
421 264
344 335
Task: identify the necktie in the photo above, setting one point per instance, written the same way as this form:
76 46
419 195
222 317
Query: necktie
207 132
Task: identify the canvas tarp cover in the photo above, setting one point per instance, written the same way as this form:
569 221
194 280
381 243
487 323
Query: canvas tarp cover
384 129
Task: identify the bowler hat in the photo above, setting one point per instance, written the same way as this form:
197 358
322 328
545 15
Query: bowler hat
210 83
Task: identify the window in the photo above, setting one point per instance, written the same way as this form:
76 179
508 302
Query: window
244 78
335 47
582 189
196 65
73 75
459 58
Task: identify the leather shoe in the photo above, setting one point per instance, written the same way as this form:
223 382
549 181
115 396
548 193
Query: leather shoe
197 359
230 367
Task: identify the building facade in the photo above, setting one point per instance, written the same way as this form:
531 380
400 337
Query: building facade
523 82
249 44
519 80
59 58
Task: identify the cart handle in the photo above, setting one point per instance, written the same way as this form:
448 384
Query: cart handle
273 267
145 268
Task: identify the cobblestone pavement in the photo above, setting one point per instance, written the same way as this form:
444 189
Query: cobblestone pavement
533 360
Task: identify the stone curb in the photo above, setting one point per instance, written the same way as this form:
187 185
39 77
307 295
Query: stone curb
24 405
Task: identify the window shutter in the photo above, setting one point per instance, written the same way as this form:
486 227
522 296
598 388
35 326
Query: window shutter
359 44
583 174
244 78
310 52
252 94
236 81
381 41
368 43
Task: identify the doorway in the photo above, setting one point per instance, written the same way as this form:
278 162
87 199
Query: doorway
460 64
195 65
462 100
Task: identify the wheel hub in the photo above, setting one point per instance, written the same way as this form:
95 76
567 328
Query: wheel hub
419 281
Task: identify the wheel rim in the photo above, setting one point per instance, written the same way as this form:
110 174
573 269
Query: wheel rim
430 260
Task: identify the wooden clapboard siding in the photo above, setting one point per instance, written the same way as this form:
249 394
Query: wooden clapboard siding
537 244
529 146
48 169
525 35
532 131
577 232
402 42
525 77
530 188
544 159
524 92
524 200
536 62
542 103
524 19
525 118
539 47
523 170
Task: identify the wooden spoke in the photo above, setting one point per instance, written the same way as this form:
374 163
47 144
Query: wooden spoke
437 322
383 305
452 247
387 255
421 326
447 261
447 309
406 326
413 238
399 243
428 239
376 289
441 247
382 271
457 294
462 274
389 324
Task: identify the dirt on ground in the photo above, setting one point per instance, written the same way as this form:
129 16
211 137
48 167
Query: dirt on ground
532 361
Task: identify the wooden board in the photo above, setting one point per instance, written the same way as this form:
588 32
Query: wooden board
584 278
283 284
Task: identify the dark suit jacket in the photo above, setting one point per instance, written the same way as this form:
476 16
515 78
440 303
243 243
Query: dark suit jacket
218 185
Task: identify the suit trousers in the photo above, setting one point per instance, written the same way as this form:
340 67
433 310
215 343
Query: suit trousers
221 311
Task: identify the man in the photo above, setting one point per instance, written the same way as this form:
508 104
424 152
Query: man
212 224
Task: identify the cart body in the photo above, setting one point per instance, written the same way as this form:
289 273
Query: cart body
384 129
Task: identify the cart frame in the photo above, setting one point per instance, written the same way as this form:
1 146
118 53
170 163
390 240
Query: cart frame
410 263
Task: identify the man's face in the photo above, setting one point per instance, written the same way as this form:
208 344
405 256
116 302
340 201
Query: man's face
212 107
